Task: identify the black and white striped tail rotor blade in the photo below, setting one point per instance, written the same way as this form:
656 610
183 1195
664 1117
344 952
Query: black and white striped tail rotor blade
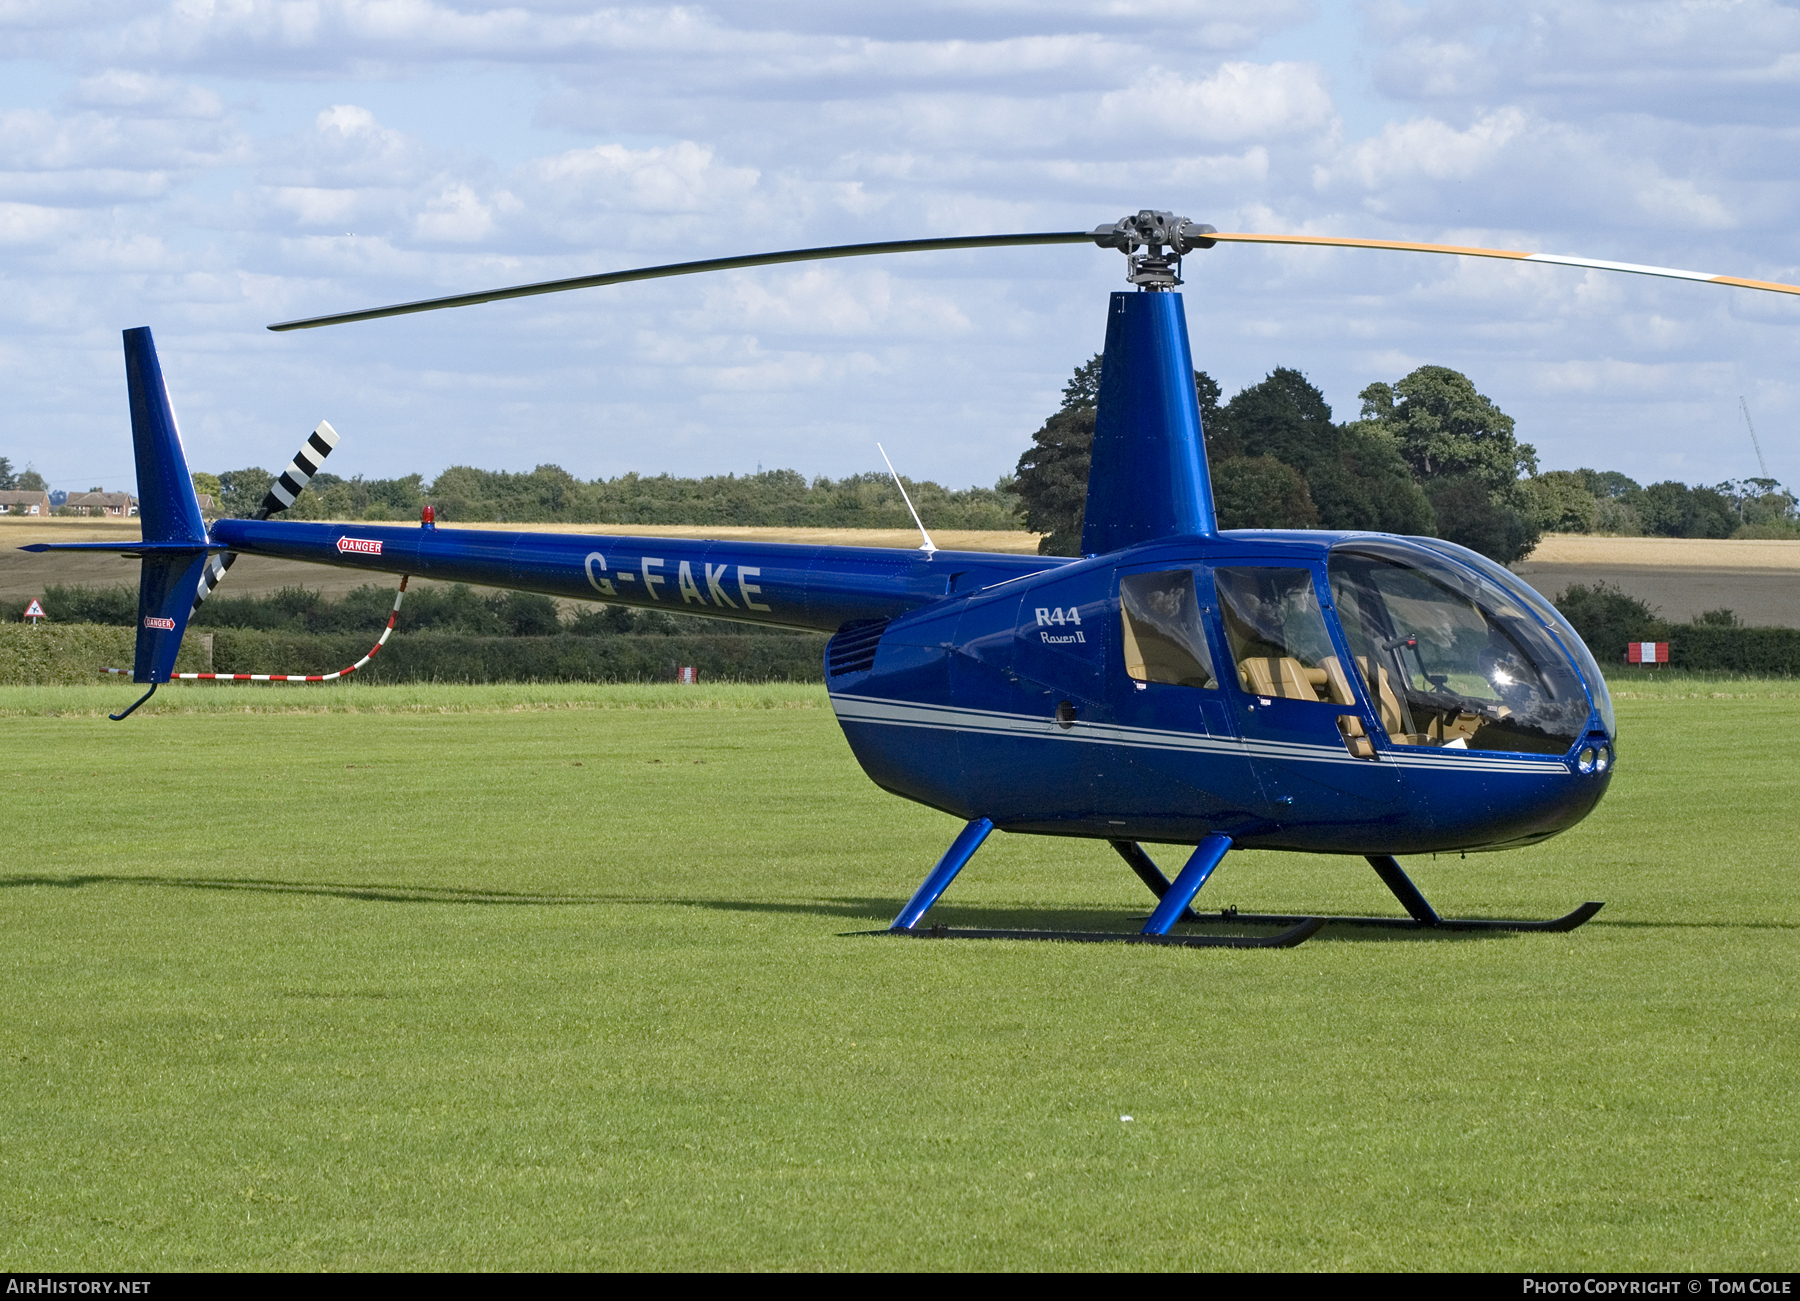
288 485
291 482
216 565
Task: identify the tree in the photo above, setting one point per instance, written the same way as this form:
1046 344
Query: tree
242 491
1446 430
1053 472
1501 526
30 480
1763 507
1460 448
1608 484
1052 478
1563 502
1674 510
1353 475
1607 619
1260 492
7 478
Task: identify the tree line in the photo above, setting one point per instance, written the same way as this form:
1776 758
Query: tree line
1427 455
551 495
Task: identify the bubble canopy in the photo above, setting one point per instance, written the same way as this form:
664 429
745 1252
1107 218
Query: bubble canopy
1461 655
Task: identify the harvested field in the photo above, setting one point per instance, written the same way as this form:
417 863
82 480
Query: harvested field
1760 580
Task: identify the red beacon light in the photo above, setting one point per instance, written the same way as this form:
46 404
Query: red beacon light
428 518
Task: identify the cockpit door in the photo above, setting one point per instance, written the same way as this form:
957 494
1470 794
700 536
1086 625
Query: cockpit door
1173 759
1304 719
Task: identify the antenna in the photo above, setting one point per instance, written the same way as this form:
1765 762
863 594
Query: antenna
929 546
1758 446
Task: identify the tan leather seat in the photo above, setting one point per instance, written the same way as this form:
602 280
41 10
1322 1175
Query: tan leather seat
1387 704
1269 676
1334 677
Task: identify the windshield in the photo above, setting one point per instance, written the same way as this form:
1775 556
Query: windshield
1452 661
1571 640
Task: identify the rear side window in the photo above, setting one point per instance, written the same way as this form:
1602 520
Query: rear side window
1279 645
1164 638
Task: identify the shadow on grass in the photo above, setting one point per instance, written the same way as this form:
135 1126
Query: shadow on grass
876 912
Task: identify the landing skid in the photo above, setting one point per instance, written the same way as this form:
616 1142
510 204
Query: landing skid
1421 915
1567 922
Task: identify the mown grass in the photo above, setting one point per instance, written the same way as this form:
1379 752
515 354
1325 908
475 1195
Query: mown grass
567 977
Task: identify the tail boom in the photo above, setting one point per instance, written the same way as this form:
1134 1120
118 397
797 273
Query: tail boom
779 584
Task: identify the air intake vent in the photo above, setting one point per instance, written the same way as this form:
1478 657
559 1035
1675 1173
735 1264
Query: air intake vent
852 650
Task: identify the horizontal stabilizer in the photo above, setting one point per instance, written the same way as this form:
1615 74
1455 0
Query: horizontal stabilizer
126 548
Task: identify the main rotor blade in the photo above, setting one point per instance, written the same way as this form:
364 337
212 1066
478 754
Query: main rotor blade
1404 246
691 268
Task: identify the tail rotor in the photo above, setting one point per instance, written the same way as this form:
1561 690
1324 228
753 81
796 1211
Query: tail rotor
288 485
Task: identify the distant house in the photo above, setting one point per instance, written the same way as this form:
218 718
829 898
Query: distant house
207 508
102 503
24 503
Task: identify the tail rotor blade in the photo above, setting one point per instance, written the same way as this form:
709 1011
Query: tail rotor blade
291 482
288 485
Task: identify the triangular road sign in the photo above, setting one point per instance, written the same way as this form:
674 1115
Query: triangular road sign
34 610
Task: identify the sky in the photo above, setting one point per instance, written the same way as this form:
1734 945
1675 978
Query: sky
207 167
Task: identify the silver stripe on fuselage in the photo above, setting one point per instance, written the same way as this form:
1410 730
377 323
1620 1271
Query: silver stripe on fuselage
988 722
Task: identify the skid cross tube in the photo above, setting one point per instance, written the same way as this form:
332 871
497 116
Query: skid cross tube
961 850
1148 872
1394 877
1200 865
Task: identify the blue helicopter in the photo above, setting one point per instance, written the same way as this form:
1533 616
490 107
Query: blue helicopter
1333 693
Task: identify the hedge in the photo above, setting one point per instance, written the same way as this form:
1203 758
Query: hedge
439 657
1759 651
67 654
71 654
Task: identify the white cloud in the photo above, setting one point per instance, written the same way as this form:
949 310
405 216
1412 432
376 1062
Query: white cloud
26 223
1241 101
152 96
1425 147
454 216
684 177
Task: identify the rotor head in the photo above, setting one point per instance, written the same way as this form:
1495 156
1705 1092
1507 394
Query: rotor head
1163 237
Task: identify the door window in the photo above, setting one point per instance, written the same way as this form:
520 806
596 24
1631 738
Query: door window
1165 640
1276 630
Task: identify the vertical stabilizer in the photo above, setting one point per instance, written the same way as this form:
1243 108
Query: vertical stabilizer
1148 478
168 512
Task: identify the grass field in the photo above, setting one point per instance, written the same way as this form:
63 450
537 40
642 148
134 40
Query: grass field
563 977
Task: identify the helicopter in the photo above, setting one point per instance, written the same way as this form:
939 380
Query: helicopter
1176 684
